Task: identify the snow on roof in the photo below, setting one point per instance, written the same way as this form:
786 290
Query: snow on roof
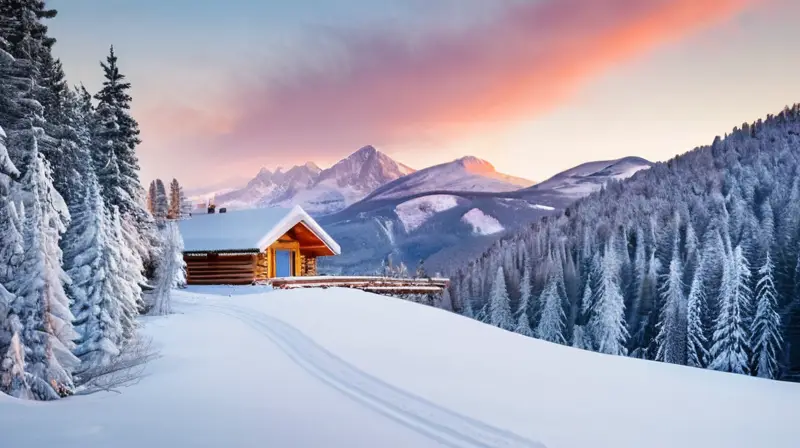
246 230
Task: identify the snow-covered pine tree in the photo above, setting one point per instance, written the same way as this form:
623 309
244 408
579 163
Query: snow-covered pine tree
38 315
92 260
523 325
119 134
115 138
766 327
696 341
185 205
171 272
500 303
731 341
41 305
672 325
131 262
551 322
606 325
465 298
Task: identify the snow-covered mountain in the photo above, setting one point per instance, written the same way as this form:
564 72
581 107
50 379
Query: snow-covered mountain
402 375
319 191
587 178
465 174
453 210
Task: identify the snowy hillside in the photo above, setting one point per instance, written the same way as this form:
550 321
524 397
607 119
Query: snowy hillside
323 368
587 178
465 174
318 191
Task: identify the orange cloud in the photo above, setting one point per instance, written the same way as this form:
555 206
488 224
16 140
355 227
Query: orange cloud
385 89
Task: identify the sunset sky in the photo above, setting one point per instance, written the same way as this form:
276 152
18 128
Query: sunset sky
222 88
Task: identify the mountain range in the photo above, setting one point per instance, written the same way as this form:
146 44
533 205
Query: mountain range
365 173
376 207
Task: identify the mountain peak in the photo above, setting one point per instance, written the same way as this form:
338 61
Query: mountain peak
475 165
312 167
366 150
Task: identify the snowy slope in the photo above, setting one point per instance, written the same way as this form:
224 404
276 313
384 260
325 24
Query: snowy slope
415 212
325 368
319 191
465 174
587 178
481 223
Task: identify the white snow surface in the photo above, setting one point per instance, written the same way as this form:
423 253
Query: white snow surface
415 212
252 229
590 177
465 174
243 367
482 223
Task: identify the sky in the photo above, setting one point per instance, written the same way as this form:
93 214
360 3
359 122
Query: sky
222 88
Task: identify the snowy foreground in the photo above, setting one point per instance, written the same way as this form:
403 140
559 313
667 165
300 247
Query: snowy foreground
242 367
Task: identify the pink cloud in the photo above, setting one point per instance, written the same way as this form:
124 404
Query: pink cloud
385 90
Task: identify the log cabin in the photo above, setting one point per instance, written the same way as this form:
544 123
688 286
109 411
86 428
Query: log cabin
246 246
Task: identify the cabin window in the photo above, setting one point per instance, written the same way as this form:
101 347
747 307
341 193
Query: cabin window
284 263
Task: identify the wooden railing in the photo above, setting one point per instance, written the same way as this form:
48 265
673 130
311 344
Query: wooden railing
380 285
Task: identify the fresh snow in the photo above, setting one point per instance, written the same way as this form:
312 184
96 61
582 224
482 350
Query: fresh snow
590 177
252 229
417 211
466 174
245 367
511 202
481 223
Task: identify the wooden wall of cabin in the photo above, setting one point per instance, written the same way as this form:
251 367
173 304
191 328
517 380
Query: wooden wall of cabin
215 269
308 264
263 266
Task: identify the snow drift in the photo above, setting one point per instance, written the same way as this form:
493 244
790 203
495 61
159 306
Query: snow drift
345 368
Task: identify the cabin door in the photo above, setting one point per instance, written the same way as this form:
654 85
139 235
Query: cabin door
283 263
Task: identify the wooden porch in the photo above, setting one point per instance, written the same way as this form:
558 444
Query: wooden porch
378 285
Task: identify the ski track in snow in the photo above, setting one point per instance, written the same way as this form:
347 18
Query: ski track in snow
416 413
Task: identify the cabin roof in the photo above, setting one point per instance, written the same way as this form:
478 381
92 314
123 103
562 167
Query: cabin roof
249 230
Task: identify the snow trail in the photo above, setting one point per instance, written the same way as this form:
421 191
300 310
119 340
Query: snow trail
416 413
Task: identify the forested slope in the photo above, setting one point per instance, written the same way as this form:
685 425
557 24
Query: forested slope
695 261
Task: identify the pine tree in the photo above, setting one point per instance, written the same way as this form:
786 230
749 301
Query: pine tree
41 306
174 200
671 338
37 317
150 199
171 272
731 338
92 259
186 205
551 323
696 341
465 297
523 325
500 304
607 323
160 203
766 327
118 137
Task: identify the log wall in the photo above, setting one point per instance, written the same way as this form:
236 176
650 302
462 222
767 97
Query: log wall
308 264
215 269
